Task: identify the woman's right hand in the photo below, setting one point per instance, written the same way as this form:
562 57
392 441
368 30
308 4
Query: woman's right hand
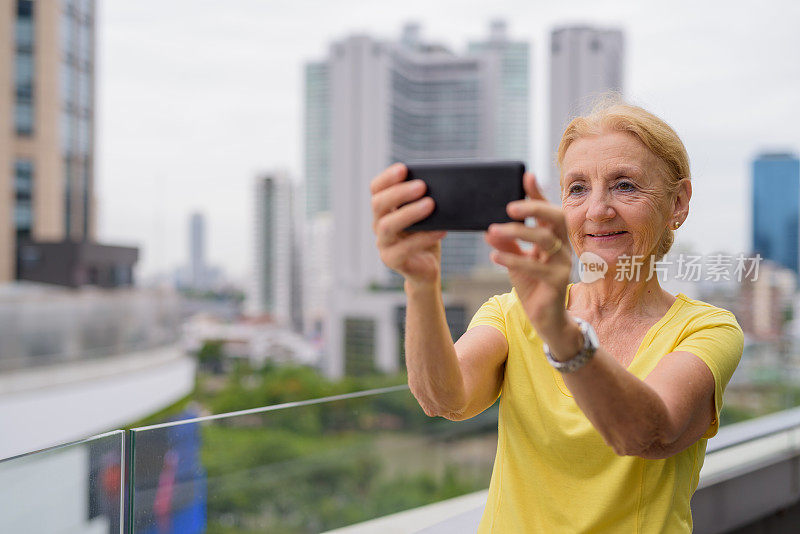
397 204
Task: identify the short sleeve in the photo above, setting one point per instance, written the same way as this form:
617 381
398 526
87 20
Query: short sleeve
490 314
718 340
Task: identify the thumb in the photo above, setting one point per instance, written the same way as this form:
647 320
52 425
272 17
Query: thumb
531 186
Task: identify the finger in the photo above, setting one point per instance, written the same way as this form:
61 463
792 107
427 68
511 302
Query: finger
540 235
505 243
413 242
531 185
391 175
520 263
395 196
544 212
393 223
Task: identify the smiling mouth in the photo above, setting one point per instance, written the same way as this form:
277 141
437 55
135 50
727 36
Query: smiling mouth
608 234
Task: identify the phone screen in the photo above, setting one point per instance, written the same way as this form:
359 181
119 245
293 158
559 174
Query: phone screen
468 195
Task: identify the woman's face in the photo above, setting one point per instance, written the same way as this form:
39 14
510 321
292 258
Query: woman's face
613 183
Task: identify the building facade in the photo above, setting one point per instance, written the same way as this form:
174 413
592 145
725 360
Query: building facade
776 199
47 148
585 62
274 248
197 250
373 102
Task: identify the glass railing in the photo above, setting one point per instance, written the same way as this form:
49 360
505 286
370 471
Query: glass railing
42 325
308 466
162 340
305 467
76 487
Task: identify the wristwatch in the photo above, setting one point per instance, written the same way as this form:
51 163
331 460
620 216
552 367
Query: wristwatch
590 344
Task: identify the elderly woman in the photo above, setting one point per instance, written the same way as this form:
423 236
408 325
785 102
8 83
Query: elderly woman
608 390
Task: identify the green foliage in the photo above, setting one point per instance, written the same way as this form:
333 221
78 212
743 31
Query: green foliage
279 384
232 294
277 482
734 414
322 466
210 356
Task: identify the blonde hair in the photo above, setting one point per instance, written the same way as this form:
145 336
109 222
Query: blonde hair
612 113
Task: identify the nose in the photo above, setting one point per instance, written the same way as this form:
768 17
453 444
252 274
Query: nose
599 206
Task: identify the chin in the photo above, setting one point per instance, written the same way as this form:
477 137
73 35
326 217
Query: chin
611 256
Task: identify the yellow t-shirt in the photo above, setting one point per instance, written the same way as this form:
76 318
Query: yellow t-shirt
554 473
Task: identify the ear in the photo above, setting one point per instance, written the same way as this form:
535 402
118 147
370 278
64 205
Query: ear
680 208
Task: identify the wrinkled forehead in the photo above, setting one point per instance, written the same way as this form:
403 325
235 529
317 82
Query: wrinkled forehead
610 153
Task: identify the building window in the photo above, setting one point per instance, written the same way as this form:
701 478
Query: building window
456 317
359 346
68 165
23 198
87 199
24 31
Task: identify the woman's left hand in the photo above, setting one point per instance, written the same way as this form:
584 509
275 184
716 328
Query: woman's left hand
540 279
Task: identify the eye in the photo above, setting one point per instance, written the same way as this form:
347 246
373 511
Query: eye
575 189
625 185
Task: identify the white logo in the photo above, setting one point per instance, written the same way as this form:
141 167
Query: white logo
591 267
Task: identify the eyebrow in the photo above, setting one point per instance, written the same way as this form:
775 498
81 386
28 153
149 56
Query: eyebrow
628 170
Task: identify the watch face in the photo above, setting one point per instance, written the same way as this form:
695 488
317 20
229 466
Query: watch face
591 342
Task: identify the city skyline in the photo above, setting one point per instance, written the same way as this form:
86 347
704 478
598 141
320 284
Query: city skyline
377 101
192 137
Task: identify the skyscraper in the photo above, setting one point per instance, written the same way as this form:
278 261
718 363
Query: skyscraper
373 102
412 101
47 145
197 250
584 62
274 246
317 139
509 91
776 196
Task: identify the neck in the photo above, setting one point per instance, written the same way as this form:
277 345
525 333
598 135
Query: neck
608 297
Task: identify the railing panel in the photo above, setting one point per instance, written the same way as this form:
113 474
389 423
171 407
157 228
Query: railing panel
305 467
74 488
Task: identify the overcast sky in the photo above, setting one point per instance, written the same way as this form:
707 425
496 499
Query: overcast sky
195 97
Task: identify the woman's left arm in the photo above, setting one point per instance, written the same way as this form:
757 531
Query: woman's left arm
652 418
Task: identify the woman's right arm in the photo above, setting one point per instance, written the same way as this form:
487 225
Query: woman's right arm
453 381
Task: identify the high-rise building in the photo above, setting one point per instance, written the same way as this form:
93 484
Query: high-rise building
509 91
374 102
776 199
764 307
413 101
47 64
584 63
274 247
197 250
317 278
317 139
197 274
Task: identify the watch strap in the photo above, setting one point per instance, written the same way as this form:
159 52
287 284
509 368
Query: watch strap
583 356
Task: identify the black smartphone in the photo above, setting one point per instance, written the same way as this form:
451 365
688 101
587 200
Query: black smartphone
469 195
